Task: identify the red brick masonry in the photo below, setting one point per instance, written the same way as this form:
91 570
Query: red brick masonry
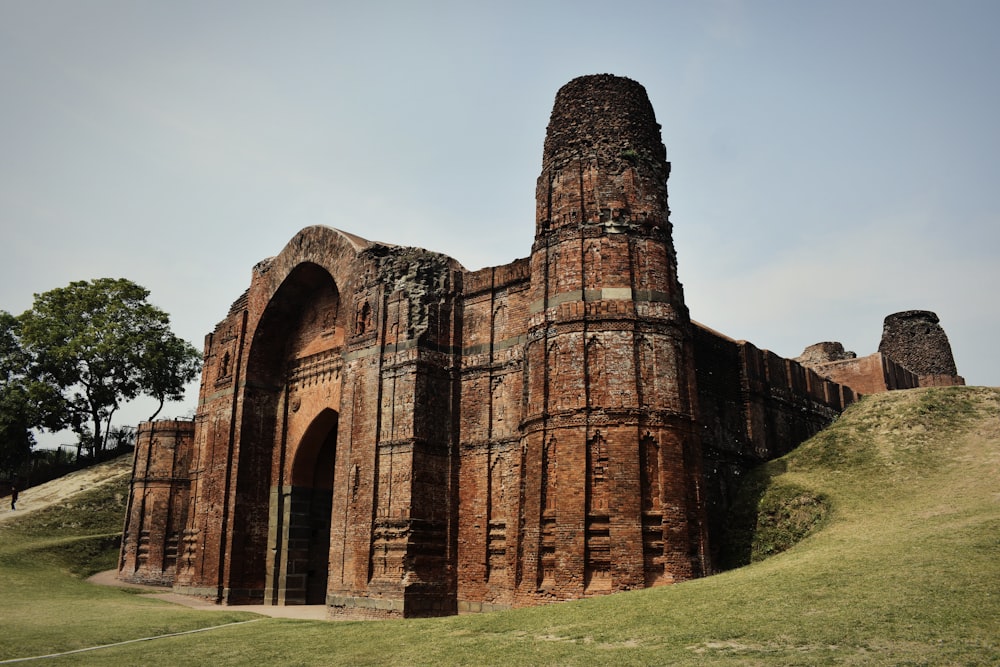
385 432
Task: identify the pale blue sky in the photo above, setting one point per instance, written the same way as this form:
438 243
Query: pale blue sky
832 162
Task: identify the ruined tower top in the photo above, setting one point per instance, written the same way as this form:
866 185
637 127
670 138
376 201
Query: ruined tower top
604 116
915 339
604 160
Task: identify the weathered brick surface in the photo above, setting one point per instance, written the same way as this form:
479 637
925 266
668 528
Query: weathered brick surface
820 353
390 434
868 375
754 406
914 352
915 340
157 509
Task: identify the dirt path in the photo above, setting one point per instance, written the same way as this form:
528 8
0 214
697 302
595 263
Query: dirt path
312 612
44 495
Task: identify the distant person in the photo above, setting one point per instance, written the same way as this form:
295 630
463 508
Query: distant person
13 498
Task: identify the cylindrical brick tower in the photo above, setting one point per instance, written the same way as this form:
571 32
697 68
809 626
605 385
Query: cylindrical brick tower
610 442
915 340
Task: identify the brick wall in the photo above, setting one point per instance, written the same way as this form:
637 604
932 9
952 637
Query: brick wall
754 406
868 375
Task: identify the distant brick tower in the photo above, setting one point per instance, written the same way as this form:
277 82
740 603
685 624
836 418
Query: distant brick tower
915 339
609 427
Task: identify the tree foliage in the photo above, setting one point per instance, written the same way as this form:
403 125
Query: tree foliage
17 416
95 345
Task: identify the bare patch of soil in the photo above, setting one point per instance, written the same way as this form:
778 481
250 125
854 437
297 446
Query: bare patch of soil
58 490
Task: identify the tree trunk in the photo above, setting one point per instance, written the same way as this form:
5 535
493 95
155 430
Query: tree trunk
98 439
160 407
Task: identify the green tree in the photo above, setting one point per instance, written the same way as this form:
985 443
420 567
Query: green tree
97 344
17 416
120 436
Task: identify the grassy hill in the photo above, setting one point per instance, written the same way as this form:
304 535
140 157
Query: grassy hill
876 542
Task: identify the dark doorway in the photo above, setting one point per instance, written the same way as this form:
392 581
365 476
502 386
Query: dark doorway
319 518
310 503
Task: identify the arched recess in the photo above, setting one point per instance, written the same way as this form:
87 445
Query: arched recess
302 319
305 536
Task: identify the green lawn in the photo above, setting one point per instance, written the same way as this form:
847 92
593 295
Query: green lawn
899 501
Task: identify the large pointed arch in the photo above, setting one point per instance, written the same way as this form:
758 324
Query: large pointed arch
303 318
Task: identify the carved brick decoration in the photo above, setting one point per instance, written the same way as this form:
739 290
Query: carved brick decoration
384 432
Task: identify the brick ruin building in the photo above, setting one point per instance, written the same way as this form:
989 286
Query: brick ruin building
385 432
914 352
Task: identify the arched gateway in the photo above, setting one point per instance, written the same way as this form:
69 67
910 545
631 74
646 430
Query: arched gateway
307 436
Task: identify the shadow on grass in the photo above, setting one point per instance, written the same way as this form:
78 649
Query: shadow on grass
768 516
85 556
